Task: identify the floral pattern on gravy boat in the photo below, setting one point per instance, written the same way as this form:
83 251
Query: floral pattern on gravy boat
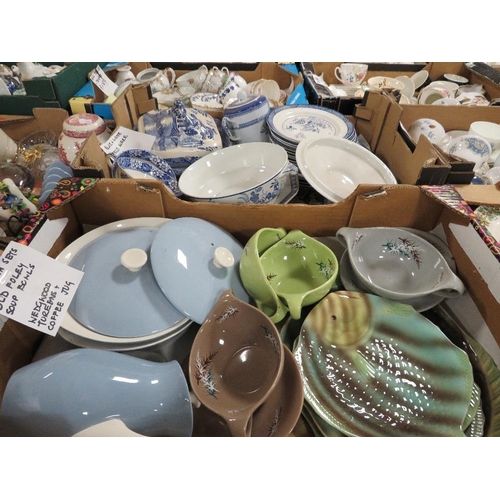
374 367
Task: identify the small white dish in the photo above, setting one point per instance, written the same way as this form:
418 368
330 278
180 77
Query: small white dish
409 86
385 83
335 166
456 78
419 78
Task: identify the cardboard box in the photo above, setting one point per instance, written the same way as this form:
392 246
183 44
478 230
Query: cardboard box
477 73
52 92
318 95
110 200
92 98
137 100
18 127
384 123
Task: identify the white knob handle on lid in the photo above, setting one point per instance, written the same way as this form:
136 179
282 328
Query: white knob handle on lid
223 257
133 259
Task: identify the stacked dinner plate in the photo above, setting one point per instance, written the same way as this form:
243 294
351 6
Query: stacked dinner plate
289 125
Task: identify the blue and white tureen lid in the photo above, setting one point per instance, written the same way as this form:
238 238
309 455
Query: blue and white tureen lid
181 134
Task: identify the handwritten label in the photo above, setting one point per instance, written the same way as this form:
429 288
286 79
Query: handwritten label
35 290
102 81
124 139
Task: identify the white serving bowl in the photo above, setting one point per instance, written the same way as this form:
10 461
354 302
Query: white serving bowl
253 172
335 166
397 264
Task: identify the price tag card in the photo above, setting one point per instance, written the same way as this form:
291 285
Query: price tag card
102 81
124 139
35 289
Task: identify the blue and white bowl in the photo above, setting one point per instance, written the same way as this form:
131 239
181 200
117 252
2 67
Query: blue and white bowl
143 164
254 172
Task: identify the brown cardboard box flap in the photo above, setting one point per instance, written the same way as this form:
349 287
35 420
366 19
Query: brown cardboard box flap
476 194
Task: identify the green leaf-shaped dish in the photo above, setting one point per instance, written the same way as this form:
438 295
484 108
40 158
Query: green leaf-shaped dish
374 367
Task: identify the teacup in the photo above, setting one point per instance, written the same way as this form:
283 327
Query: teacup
451 87
351 73
158 80
493 175
194 78
229 91
215 80
429 127
266 87
245 120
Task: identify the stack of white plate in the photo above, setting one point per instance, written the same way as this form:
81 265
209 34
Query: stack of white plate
289 125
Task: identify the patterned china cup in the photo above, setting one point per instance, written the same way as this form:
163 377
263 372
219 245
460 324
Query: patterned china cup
215 80
229 91
351 74
194 78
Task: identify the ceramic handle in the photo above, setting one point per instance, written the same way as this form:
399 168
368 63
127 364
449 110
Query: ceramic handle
223 257
289 169
134 259
240 427
225 126
172 74
338 74
451 288
294 303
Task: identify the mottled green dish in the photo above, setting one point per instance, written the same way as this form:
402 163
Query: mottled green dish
374 367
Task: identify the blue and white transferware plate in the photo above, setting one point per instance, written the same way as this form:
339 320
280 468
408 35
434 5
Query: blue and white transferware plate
181 133
143 164
295 123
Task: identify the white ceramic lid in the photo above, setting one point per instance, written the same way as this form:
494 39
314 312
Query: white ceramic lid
194 261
